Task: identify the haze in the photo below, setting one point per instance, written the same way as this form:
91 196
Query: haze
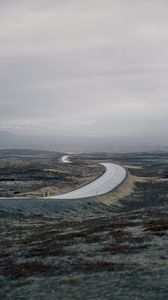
84 68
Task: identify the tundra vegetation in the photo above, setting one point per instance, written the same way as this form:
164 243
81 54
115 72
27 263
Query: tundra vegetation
112 247
41 173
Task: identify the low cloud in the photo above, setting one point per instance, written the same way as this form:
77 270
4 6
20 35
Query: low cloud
84 67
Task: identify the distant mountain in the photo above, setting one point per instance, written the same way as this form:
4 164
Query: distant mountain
10 140
6 138
4 134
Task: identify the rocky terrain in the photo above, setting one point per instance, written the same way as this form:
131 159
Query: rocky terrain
112 247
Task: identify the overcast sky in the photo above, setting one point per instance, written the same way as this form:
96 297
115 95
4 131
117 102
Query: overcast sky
84 67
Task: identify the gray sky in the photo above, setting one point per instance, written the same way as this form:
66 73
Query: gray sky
84 67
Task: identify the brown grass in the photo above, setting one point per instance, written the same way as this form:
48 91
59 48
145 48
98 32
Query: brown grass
126 189
97 266
157 225
27 269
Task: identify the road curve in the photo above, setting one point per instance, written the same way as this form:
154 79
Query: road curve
65 159
113 176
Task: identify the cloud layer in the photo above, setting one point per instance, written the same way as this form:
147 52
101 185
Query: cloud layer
93 67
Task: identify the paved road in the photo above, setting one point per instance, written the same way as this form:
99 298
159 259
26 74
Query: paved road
65 159
113 176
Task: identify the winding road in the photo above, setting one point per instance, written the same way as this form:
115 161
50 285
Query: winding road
113 177
65 159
